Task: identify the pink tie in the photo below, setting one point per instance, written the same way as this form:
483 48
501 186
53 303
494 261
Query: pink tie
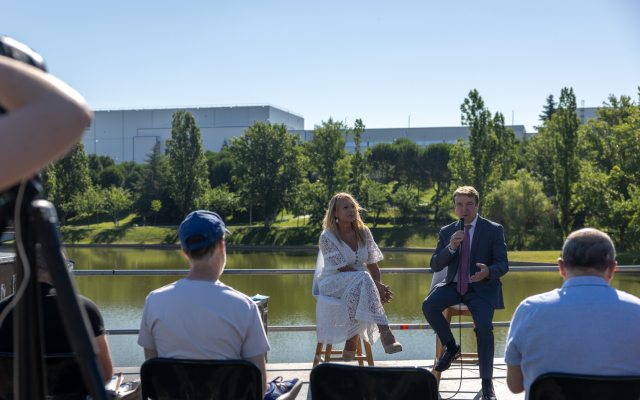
463 266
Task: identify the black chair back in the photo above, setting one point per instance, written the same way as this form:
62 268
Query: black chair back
64 381
174 379
558 386
347 382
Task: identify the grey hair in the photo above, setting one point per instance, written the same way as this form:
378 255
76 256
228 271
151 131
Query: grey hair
588 248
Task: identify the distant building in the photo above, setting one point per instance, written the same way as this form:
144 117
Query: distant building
584 113
129 135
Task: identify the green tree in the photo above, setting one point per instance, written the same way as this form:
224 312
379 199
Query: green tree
156 205
407 168
381 160
309 200
220 166
267 166
548 110
327 155
506 154
153 183
111 176
475 163
221 201
80 206
435 161
539 154
521 206
608 201
72 177
118 199
406 201
565 124
187 166
357 162
613 138
377 199
96 201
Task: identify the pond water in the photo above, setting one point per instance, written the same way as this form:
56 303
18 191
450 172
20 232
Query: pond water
121 298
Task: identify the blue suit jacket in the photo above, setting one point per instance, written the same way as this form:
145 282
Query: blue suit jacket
488 247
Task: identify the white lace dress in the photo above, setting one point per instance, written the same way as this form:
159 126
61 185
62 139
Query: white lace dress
349 302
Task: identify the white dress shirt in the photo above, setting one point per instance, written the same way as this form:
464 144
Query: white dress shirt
473 228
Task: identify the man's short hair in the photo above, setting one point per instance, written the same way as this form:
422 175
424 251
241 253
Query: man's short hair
588 248
202 252
466 191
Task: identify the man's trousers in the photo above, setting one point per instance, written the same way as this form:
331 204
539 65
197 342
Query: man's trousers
446 296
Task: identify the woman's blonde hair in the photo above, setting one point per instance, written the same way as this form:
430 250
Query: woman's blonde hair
330 223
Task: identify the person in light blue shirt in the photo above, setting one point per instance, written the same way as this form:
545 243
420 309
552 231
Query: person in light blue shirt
585 327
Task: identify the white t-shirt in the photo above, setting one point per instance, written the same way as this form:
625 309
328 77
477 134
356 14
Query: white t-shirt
202 320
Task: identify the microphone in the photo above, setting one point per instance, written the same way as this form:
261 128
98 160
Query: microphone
461 227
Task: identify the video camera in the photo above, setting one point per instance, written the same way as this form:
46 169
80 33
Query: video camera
36 222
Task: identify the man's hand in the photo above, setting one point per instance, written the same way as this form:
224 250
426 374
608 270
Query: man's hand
456 239
484 273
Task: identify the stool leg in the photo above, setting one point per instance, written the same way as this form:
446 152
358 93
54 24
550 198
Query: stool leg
368 353
318 356
327 353
359 351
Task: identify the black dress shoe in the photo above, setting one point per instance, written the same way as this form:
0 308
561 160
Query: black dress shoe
487 392
445 360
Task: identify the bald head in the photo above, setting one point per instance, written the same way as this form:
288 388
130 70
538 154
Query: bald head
588 249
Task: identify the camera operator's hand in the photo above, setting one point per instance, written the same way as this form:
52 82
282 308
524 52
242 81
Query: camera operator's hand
45 119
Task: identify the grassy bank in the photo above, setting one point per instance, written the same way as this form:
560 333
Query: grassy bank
416 237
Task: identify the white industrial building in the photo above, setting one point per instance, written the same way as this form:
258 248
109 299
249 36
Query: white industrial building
128 135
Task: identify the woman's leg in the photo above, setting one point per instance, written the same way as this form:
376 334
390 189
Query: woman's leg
389 337
351 344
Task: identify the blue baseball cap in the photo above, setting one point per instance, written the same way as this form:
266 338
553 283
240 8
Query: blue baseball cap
204 223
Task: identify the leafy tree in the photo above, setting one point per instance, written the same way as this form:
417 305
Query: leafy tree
71 174
310 199
608 201
475 164
156 205
521 206
153 182
406 201
111 176
377 199
327 155
220 166
548 110
97 164
613 139
187 166
407 169
435 161
538 157
220 200
118 199
267 166
565 124
357 162
381 159
506 154
96 201
80 207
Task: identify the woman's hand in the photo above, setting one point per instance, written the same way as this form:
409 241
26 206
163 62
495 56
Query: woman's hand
346 268
385 294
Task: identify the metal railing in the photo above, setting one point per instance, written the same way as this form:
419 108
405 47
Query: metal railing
169 272
312 328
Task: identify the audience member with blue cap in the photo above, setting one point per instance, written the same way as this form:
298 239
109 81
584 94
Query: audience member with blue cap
200 317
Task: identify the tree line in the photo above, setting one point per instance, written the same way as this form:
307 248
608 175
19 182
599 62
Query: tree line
569 174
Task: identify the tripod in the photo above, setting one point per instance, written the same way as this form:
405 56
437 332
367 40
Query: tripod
35 221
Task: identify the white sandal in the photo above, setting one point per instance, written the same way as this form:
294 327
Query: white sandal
391 348
350 355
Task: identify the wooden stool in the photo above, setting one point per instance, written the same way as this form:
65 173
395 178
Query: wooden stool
368 356
440 348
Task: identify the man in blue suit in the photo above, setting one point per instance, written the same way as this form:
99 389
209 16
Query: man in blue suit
475 252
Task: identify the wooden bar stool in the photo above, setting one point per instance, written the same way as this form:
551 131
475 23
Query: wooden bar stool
361 358
455 311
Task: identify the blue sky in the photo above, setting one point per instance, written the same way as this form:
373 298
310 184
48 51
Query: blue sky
379 61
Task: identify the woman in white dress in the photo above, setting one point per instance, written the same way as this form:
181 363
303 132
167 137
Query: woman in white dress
347 283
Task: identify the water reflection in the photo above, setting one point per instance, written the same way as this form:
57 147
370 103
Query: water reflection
121 298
